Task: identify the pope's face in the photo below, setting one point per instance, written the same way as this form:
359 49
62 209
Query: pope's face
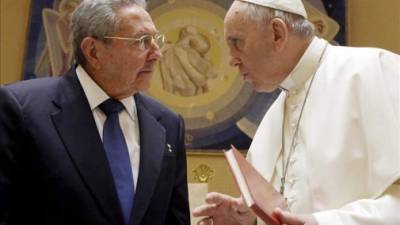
252 51
125 66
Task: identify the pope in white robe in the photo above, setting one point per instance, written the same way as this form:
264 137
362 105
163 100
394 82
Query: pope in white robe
345 162
331 141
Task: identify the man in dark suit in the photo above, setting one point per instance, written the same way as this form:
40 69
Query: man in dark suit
88 148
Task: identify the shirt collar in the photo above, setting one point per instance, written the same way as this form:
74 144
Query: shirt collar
96 95
306 67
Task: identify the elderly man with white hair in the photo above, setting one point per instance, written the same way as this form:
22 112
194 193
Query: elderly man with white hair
330 142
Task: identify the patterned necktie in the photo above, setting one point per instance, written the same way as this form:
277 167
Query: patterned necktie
118 156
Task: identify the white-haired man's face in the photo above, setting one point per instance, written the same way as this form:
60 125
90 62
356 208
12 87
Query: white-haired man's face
253 50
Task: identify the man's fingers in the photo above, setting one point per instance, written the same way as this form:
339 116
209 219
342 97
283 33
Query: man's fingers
237 204
240 206
218 198
206 221
288 218
205 210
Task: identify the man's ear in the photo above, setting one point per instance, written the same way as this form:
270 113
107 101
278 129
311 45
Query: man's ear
280 33
90 51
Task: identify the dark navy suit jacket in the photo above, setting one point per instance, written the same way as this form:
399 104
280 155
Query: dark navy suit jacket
53 168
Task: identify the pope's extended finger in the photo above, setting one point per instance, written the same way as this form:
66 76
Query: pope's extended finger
218 198
204 210
288 218
205 221
240 206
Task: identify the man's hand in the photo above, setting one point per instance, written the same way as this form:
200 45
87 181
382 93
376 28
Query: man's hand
289 218
222 209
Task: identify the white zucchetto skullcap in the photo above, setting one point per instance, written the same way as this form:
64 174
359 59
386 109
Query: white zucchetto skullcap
292 6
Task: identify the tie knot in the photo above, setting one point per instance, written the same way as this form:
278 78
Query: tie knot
111 106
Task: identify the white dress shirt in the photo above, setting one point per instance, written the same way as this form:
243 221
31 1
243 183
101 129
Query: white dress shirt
127 117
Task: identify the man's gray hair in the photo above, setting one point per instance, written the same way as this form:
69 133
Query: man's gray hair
97 19
262 15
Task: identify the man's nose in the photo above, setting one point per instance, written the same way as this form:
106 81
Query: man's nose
234 61
155 52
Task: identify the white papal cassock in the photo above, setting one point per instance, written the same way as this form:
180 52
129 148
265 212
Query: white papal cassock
345 163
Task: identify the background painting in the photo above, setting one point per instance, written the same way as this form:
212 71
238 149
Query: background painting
193 77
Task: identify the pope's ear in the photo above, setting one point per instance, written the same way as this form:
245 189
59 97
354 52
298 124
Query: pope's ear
280 33
90 51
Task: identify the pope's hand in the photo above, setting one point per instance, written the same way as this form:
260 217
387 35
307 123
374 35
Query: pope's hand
289 218
222 209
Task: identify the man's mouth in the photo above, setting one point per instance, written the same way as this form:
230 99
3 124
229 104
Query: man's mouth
147 69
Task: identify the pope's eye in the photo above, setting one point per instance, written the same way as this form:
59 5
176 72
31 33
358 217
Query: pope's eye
235 43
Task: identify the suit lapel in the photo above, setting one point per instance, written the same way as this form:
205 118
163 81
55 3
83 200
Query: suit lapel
76 127
152 146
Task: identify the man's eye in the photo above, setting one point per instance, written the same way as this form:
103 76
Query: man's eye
132 43
235 43
147 41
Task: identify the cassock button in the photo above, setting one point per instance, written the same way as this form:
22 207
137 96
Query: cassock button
292 181
291 201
